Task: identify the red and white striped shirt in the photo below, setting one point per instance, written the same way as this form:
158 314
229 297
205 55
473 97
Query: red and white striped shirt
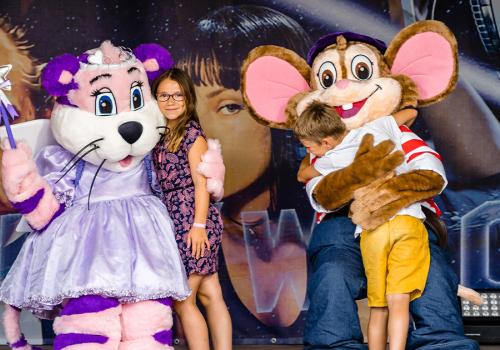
418 156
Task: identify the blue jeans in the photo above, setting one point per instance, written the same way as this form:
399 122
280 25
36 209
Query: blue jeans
336 279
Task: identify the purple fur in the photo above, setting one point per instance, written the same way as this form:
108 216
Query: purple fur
166 301
28 205
52 72
87 304
330 39
165 61
64 100
164 337
20 343
84 58
64 340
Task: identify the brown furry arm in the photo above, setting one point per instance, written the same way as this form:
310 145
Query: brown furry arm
337 188
377 203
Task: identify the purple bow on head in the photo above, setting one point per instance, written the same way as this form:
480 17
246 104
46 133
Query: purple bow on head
6 108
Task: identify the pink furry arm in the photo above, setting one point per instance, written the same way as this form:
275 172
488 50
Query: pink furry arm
212 167
28 192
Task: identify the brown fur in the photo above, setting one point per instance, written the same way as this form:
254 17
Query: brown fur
420 27
379 194
291 108
409 95
370 163
378 202
372 207
288 55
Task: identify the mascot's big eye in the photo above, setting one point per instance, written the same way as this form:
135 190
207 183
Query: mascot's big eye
136 98
105 103
361 67
327 74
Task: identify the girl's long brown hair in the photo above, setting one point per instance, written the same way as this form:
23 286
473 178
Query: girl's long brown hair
174 136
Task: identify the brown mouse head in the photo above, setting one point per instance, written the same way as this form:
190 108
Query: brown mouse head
354 73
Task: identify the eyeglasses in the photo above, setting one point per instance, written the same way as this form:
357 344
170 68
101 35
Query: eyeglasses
164 97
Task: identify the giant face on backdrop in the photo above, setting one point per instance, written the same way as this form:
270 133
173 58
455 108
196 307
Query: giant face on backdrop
102 258
364 81
266 268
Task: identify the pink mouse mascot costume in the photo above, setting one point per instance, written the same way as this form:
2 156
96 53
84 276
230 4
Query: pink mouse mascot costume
102 258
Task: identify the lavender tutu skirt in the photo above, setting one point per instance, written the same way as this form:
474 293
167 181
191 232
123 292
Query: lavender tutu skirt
123 248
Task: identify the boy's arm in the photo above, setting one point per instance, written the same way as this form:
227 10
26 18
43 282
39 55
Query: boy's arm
306 173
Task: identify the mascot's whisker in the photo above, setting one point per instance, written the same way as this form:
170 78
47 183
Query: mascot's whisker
81 150
92 183
76 162
162 127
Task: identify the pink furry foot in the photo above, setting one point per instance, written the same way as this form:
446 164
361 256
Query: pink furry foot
147 325
144 344
89 322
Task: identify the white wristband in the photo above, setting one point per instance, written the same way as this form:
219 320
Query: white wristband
199 225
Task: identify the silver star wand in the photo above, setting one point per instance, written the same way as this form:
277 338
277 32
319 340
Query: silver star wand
6 108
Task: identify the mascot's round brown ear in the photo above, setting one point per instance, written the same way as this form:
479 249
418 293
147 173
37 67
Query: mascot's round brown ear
364 81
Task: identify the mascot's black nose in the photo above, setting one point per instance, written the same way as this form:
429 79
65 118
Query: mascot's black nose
130 131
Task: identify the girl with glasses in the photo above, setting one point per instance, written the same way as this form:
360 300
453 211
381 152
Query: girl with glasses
197 221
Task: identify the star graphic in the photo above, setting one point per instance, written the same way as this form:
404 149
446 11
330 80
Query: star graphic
4 82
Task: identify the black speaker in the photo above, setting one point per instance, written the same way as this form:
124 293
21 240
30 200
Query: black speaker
482 323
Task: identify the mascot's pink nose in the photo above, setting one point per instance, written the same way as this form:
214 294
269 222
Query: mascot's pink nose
342 84
130 131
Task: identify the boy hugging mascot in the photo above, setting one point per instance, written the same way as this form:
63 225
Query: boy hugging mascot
102 258
365 80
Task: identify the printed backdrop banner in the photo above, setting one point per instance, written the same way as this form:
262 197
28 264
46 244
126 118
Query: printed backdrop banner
268 220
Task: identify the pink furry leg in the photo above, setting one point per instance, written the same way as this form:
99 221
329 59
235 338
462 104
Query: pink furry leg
89 322
146 325
12 329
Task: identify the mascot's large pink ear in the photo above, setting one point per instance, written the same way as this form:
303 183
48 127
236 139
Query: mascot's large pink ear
156 59
426 51
270 77
57 75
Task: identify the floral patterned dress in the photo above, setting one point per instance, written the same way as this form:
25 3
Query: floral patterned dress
174 176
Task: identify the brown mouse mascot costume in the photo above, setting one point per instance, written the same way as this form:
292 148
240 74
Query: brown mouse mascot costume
364 81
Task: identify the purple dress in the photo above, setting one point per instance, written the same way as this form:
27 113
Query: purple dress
174 177
122 246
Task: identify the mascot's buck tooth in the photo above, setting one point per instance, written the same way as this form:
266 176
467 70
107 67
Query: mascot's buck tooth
103 257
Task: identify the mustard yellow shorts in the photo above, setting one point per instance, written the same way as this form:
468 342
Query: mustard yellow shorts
396 259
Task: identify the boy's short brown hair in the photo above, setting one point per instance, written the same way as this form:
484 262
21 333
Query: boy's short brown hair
317 122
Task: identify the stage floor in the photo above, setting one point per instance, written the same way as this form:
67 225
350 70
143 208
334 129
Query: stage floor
270 347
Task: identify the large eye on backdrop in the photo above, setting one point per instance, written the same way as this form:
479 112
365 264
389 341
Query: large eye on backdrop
361 67
327 74
230 108
104 102
136 98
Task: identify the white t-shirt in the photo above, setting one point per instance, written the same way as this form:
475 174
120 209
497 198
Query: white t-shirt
343 154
